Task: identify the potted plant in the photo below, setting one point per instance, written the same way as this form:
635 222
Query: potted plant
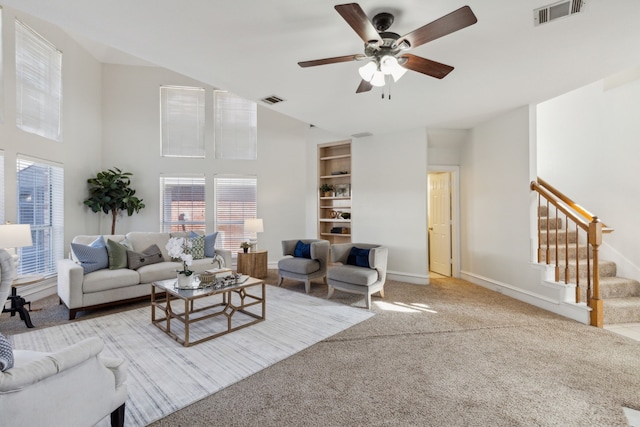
110 192
179 249
327 190
245 246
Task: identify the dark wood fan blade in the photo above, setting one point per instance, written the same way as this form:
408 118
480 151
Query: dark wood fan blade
456 20
426 66
364 86
357 19
325 61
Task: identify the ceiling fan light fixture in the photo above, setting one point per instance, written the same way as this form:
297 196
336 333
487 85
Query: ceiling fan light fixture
367 70
398 72
377 79
388 64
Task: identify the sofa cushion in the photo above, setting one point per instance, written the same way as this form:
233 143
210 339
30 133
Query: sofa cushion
210 245
151 255
159 271
358 257
299 265
302 250
6 354
143 239
91 257
104 280
353 274
117 252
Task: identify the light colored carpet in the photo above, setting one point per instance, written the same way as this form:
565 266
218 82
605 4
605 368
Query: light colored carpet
164 376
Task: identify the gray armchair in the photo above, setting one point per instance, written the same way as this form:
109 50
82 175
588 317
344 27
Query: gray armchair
302 268
362 272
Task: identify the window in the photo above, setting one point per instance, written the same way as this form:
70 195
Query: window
236 127
236 199
182 121
38 84
182 205
1 77
40 188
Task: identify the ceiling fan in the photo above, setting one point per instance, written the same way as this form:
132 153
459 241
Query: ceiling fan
385 51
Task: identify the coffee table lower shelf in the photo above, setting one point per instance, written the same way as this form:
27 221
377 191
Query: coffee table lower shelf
191 314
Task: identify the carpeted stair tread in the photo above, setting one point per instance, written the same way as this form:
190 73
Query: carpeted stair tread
581 250
621 310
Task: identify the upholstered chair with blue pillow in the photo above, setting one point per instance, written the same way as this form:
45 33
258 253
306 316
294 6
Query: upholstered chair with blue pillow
304 260
361 268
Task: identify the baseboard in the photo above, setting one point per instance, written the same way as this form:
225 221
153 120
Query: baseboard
416 279
578 312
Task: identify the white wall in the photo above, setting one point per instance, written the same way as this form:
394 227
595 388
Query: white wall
80 149
496 203
389 183
131 124
588 149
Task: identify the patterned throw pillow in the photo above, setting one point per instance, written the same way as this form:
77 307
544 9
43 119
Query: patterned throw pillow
92 257
197 246
151 255
6 354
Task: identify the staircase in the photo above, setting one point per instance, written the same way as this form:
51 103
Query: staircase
620 296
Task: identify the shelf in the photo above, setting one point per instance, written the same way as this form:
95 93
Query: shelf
335 234
342 156
342 175
335 198
335 207
334 220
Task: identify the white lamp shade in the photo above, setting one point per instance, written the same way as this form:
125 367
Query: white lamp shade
253 225
398 72
15 235
367 70
377 79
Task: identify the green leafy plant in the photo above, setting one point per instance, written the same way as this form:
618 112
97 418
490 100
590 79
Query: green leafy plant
110 192
245 245
326 188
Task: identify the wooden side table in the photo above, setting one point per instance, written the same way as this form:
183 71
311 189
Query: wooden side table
17 302
253 264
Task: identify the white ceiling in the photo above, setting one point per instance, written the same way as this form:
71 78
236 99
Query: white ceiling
252 47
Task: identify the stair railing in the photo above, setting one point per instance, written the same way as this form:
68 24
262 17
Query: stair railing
575 216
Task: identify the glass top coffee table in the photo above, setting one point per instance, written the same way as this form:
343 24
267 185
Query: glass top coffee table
218 310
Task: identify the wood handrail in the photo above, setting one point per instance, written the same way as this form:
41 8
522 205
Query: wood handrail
541 183
593 229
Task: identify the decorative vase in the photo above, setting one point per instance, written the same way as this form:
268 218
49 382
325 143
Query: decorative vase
245 250
185 281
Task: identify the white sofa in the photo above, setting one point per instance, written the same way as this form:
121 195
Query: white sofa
79 291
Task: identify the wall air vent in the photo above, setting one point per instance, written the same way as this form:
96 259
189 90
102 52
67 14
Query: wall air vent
558 10
361 134
272 100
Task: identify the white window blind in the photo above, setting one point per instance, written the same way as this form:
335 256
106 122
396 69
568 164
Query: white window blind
182 204
38 84
236 199
182 121
235 125
1 76
40 188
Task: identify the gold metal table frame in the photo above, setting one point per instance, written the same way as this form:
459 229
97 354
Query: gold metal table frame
192 314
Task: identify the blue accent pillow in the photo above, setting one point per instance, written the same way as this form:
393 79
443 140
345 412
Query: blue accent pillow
302 250
358 257
210 245
6 354
92 257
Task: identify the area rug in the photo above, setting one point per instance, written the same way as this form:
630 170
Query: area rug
164 376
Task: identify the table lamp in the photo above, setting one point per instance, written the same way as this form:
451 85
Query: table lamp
14 236
253 226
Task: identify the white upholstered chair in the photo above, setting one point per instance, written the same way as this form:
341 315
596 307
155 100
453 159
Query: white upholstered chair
361 269
304 268
71 387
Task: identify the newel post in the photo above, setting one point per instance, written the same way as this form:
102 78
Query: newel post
594 301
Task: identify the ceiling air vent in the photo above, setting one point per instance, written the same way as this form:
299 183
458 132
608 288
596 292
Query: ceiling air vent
272 99
557 10
362 134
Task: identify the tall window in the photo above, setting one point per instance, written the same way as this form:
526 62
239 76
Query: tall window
182 121
2 202
236 124
1 76
236 199
38 84
182 205
41 204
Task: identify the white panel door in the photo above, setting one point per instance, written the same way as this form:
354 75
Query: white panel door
440 223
